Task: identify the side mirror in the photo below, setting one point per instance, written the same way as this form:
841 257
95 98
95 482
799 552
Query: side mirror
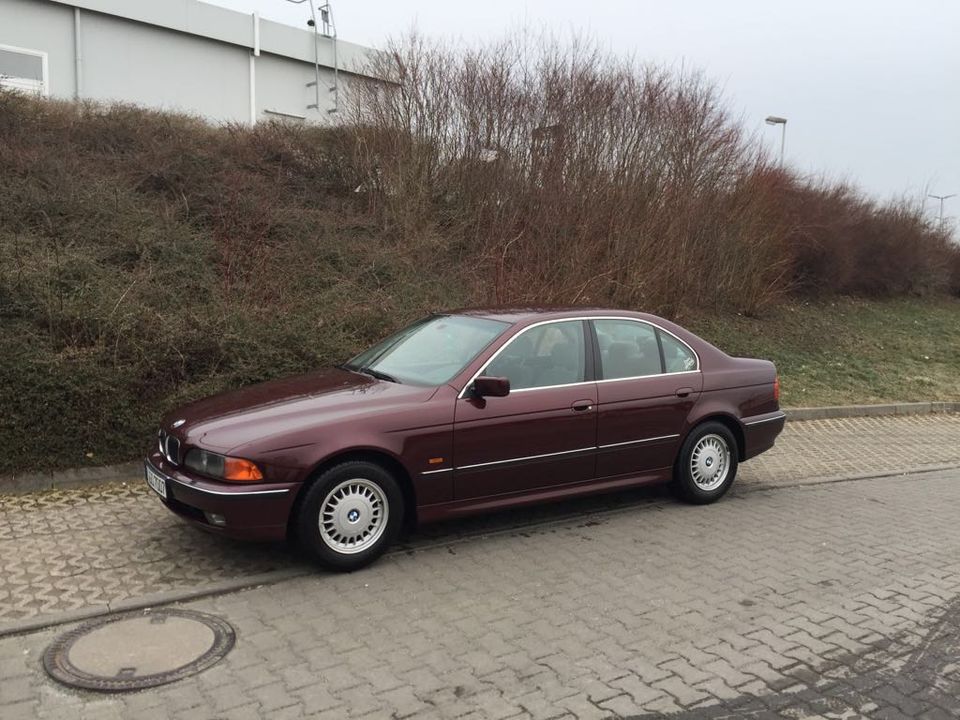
485 386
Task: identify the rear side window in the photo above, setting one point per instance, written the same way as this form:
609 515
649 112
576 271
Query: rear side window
552 354
677 357
627 349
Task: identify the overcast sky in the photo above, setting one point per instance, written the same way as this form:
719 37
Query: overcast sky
871 88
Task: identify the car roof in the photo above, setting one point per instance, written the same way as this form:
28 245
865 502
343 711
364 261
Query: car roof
523 315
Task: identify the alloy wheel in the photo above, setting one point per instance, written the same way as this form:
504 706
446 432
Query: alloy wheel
353 516
710 462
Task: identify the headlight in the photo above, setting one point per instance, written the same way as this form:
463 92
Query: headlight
222 467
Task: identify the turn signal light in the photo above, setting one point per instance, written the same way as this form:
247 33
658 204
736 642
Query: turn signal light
241 470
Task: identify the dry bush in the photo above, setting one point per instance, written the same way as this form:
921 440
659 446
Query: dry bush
845 243
147 259
564 174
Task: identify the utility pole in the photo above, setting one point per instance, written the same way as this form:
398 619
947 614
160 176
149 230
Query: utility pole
941 198
782 122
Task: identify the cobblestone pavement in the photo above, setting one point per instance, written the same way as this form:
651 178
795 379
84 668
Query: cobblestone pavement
836 600
73 549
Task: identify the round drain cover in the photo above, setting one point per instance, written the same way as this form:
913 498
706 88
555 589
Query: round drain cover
139 650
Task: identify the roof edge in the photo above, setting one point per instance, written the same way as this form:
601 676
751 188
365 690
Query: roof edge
206 20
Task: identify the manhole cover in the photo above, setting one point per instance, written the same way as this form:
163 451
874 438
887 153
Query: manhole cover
138 651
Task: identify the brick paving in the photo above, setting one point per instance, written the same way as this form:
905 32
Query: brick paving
67 550
837 601
834 600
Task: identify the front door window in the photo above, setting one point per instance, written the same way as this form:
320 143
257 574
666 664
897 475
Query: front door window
543 356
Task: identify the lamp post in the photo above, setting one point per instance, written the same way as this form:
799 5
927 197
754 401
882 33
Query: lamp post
941 198
782 122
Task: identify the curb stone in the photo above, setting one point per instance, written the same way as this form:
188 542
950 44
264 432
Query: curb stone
79 477
169 597
851 411
63 479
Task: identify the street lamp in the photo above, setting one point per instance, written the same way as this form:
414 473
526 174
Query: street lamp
782 122
941 198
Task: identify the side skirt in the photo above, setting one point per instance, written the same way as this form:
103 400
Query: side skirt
474 506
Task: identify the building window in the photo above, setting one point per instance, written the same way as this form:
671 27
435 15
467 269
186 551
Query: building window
24 70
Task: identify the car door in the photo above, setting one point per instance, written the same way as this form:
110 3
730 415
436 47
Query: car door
544 432
647 383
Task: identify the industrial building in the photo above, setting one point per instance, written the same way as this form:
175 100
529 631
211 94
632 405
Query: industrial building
181 55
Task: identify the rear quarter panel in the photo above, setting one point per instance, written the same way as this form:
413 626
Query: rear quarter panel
741 389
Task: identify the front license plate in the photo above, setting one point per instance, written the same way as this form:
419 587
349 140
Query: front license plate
156 482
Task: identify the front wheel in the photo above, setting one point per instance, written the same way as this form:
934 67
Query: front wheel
350 515
707 464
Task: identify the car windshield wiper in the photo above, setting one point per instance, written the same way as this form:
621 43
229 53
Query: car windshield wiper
377 374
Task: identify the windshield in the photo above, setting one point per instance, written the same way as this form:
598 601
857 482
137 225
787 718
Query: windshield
432 351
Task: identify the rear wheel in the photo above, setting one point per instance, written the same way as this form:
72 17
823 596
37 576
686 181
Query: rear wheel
707 464
350 515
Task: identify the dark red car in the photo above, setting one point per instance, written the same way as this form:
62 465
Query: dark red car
466 412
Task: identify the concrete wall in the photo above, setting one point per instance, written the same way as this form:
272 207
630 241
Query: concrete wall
47 27
276 74
179 55
164 69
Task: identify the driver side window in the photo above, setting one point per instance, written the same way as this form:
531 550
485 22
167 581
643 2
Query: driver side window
546 355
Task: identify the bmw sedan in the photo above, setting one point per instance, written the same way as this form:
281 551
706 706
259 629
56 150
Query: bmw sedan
466 412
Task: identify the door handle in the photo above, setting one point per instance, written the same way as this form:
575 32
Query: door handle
582 405
683 392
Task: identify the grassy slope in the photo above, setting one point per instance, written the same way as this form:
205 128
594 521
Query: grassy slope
851 351
147 259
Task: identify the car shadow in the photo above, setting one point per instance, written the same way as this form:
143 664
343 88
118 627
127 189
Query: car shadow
528 518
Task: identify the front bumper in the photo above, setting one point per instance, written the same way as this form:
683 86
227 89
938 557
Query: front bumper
249 511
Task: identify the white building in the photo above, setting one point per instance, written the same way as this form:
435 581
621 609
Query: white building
179 55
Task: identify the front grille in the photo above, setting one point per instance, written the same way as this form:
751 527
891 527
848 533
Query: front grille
169 447
173 449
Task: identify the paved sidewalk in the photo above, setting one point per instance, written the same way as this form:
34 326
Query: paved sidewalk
70 550
839 600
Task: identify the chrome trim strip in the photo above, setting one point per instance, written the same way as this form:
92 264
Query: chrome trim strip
781 416
244 493
642 377
520 459
503 347
610 380
564 452
550 387
637 442
433 472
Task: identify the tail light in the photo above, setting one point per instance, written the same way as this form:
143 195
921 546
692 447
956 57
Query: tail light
776 389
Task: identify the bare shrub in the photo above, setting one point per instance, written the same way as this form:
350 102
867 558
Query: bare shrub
564 174
149 258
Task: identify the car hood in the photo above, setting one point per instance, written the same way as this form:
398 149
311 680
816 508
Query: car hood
274 412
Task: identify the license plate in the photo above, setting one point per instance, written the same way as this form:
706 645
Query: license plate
156 482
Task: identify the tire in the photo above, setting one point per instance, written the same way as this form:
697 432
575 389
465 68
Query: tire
696 477
350 515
